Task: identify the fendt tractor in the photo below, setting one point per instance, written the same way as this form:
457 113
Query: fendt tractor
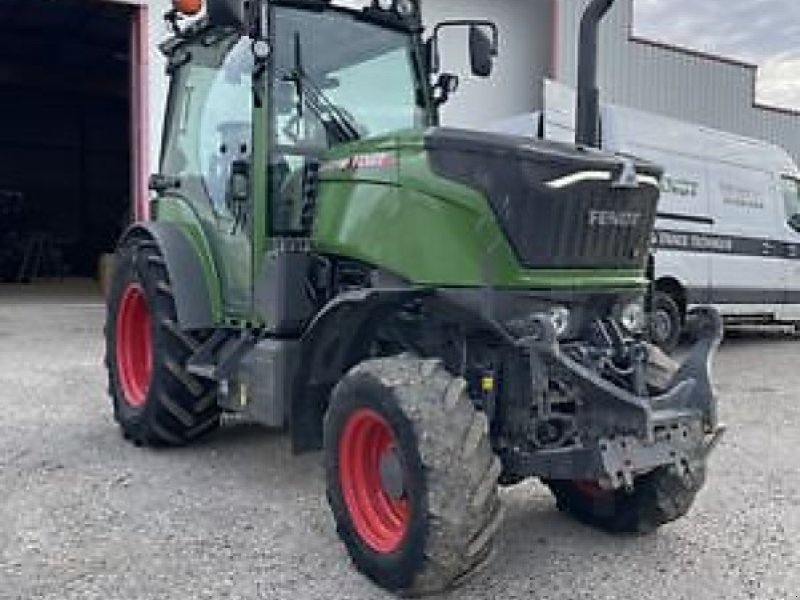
440 311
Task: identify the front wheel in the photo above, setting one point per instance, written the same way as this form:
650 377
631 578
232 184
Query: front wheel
411 476
658 498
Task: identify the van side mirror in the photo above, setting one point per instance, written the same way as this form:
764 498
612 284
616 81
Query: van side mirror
794 222
482 51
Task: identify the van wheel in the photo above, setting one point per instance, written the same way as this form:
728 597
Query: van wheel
666 323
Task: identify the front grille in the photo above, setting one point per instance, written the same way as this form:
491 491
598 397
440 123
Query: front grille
588 224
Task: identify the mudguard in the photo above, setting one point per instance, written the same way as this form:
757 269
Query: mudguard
329 344
190 285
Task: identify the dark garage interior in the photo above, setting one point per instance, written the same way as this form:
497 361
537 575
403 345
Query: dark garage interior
64 136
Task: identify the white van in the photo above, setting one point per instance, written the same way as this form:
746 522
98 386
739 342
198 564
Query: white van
728 227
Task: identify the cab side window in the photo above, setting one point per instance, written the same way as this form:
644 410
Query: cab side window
211 129
226 124
791 199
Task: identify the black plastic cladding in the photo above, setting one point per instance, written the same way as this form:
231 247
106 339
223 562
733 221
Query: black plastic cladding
547 227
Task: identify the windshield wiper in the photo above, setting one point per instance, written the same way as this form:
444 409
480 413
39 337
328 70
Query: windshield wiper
319 103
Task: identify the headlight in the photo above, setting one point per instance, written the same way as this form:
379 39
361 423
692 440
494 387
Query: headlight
632 318
559 315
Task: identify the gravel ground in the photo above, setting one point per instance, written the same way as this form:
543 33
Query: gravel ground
85 515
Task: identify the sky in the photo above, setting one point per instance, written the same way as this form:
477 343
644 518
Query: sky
763 32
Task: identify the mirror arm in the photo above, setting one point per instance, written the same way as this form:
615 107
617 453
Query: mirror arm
447 85
436 64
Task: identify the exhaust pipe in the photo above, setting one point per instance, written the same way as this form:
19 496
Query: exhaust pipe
588 111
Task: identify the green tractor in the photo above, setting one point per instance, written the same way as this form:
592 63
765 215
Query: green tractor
440 311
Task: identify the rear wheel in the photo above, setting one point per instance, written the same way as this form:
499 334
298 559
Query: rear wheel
411 476
156 401
658 498
666 323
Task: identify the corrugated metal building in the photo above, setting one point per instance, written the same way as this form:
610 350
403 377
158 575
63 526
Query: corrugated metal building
710 90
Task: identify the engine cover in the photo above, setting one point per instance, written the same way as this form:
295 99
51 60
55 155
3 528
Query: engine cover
559 206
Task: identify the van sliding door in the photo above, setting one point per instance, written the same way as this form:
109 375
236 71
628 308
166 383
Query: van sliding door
747 271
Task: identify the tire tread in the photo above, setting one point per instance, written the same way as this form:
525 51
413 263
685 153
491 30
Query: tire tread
464 511
180 408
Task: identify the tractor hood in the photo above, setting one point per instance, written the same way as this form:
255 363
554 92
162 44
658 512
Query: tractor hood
451 208
559 206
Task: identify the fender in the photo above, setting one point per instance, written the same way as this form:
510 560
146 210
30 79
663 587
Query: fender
338 338
331 344
190 285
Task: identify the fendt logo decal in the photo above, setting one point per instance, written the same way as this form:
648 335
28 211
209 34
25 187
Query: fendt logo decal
377 160
613 218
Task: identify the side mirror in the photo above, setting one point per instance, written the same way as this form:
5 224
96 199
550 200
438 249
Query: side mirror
483 47
227 13
482 51
794 222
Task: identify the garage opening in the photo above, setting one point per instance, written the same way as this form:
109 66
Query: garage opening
65 138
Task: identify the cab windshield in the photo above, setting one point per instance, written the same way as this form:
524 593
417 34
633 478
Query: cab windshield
337 78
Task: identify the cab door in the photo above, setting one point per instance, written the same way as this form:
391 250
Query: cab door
208 150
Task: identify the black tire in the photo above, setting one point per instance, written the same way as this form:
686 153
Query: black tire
658 498
666 322
173 407
449 474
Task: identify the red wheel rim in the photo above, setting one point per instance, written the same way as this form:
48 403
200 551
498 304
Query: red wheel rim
134 346
591 489
379 519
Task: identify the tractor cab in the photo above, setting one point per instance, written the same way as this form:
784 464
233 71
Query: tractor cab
255 106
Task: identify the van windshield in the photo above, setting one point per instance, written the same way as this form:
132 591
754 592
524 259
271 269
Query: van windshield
791 199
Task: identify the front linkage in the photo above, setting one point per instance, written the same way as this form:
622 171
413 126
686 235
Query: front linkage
607 413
